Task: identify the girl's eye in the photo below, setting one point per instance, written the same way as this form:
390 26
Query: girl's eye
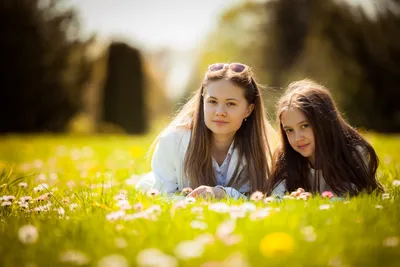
231 104
212 101
304 126
288 130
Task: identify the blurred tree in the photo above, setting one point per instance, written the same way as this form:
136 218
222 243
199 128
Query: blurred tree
238 37
287 30
158 104
44 68
124 99
372 42
352 50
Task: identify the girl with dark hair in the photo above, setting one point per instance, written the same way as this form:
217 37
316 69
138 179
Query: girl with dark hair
319 151
218 142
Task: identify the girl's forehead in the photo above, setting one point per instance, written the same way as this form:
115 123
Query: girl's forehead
223 89
292 116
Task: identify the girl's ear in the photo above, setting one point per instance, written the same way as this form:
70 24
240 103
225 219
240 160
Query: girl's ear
249 110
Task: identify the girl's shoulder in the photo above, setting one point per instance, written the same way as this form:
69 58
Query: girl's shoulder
175 136
175 133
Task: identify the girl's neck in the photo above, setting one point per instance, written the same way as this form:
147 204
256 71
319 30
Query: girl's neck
311 161
221 144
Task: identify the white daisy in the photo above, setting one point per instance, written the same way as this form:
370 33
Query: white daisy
114 260
28 234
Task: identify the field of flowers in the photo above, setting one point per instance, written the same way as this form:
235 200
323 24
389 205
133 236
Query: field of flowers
69 201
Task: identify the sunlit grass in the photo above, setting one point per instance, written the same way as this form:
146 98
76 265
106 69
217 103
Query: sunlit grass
84 211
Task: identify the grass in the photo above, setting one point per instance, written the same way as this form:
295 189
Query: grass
90 215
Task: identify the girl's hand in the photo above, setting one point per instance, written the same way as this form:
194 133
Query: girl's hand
300 193
186 191
207 192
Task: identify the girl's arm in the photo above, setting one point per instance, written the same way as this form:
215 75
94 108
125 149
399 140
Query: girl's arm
164 174
280 189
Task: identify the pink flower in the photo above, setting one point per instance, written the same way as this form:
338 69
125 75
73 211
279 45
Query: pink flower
44 197
138 206
120 196
179 204
327 194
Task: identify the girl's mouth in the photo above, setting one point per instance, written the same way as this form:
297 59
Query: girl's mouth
220 122
303 147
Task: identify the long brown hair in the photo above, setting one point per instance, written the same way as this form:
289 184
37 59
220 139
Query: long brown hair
342 155
251 140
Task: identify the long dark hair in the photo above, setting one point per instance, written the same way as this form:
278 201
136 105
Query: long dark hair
251 140
346 160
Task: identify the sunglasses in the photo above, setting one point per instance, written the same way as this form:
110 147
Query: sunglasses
236 67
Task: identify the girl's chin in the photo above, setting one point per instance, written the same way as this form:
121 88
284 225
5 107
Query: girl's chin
223 133
305 154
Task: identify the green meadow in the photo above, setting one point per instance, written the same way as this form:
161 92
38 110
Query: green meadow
69 200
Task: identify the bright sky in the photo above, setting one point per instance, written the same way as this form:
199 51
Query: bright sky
151 24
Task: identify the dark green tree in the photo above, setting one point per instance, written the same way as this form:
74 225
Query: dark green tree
354 51
286 35
372 43
43 66
124 99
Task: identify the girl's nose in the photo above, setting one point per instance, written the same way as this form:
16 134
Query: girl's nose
298 136
220 111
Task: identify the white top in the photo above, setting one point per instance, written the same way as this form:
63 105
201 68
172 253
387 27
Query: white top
168 166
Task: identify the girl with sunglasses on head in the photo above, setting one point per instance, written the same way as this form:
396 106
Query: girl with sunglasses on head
218 143
319 151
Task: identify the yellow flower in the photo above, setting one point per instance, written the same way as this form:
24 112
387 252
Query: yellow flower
92 170
277 243
137 152
103 206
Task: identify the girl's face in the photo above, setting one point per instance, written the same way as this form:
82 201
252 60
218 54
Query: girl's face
299 133
225 108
